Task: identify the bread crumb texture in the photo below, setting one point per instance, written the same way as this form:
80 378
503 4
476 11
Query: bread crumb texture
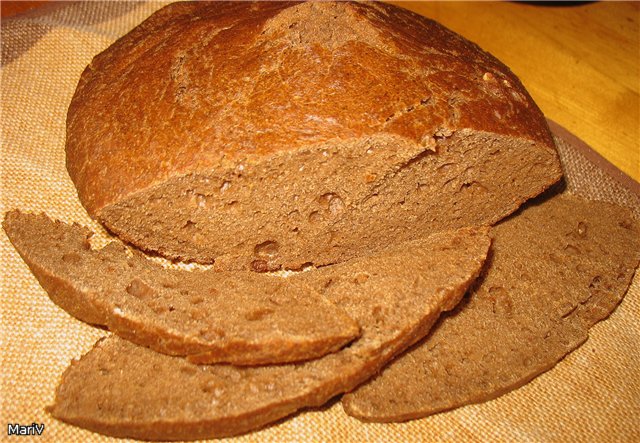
236 317
272 135
556 269
125 390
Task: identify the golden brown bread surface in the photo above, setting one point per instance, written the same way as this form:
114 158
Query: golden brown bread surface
268 135
125 390
242 317
556 269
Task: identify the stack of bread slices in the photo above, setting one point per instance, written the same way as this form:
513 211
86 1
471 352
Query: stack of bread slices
366 190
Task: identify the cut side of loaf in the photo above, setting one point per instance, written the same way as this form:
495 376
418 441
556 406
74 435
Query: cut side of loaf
129 391
242 317
273 135
556 269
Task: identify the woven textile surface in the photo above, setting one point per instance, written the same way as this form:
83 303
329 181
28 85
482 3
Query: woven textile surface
592 395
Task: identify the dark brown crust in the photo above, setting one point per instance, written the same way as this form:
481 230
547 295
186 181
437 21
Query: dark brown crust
153 106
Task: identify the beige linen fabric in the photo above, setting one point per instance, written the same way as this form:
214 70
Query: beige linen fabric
592 395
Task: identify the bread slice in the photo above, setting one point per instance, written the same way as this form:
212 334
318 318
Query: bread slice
556 269
242 318
128 391
267 135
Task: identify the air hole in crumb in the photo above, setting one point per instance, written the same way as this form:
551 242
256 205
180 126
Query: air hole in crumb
189 370
208 387
336 206
582 229
268 249
190 226
196 299
72 257
571 249
201 200
158 307
259 266
595 282
140 289
502 303
555 258
361 278
167 284
232 205
258 314
315 217
198 314
211 334
331 202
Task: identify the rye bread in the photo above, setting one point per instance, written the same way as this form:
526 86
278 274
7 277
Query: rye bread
129 391
242 318
556 269
268 135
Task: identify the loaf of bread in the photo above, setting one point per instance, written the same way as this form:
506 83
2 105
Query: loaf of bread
239 317
268 135
130 391
555 270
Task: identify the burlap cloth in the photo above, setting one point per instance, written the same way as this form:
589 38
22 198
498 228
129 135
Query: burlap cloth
592 395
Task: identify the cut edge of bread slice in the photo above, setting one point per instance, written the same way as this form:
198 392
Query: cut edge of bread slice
242 318
557 267
125 390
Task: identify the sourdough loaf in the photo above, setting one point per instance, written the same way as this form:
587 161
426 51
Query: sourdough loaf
268 135
125 390
241 317
555 270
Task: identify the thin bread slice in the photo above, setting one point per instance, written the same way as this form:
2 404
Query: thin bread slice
242 318
557 268
128 391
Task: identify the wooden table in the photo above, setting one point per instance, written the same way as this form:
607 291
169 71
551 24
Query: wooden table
580 63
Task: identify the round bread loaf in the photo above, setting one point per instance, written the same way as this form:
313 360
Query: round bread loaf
269 135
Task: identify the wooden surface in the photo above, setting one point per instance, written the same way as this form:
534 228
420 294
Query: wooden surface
12 8
580 63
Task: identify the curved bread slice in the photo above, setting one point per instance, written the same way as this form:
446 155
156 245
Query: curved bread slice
557 268
124 390
242 318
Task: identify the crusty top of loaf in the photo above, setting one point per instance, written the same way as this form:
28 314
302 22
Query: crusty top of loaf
198 87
